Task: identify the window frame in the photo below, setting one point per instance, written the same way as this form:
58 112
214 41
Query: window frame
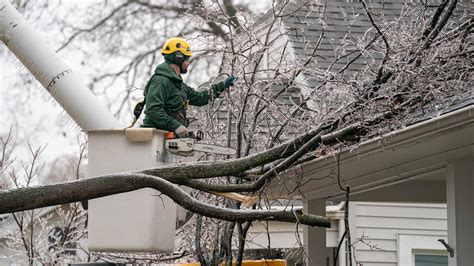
425 243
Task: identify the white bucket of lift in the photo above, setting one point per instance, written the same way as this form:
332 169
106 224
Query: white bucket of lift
141 220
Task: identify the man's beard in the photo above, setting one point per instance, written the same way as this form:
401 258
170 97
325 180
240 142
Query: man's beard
183 70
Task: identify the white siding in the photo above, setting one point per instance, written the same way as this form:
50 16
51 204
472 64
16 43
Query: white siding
277 43
384 233
332 234
379 226
282 235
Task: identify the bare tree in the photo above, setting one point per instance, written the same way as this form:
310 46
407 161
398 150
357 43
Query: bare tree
32 235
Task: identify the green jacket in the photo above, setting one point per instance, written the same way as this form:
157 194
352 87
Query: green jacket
167 96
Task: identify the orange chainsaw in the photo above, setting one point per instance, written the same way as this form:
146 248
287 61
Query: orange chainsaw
187 146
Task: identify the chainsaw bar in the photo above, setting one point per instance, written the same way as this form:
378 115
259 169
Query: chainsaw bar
186 147
213 149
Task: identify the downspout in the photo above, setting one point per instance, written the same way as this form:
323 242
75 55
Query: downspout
342 253
53 74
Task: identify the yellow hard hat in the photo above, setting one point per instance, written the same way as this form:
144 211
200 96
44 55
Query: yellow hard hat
176 44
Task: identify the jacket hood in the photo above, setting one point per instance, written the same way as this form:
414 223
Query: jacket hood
166 70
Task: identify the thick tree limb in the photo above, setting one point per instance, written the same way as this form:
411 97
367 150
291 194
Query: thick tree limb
261 181
433 34
434 19
184 173
286 163
49 195
294 149
384 38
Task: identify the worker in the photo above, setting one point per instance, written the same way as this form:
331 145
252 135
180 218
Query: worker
167 96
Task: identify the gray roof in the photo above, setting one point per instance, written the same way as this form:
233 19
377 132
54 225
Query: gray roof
347 29
434 109
343 20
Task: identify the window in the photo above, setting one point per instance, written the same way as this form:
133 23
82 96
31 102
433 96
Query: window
57 242
420 249
431 260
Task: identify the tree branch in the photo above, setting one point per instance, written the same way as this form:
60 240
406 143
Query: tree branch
181 174
434 19
90 188
384 38
95 26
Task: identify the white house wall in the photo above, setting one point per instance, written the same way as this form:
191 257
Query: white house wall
279 41
280 45
282 235
393 231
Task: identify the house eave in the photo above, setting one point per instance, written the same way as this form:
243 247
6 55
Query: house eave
418 151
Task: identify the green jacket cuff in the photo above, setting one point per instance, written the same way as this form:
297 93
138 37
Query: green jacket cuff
218 88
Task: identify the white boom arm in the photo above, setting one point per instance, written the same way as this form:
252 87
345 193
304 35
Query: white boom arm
55 76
